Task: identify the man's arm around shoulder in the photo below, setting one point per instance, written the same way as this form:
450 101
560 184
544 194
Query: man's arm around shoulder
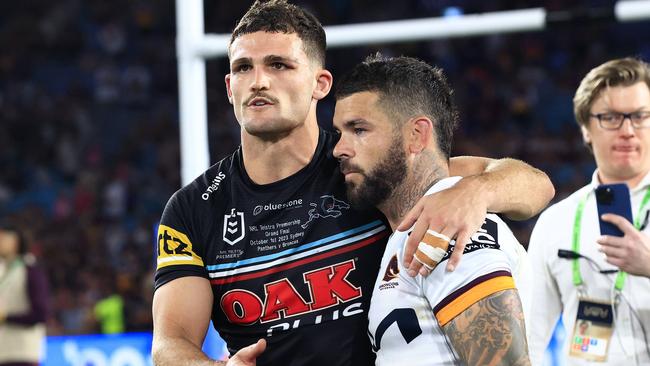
512 187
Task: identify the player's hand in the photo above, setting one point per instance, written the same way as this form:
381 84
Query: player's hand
630 253
457 212
247 356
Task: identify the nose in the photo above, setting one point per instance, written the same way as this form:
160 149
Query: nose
626 128
342 149
260 80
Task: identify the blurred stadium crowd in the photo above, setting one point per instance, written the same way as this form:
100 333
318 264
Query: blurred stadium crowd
89 146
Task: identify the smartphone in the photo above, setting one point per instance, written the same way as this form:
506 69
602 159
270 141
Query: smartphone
615 199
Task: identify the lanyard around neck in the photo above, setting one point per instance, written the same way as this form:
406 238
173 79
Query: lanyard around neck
577 226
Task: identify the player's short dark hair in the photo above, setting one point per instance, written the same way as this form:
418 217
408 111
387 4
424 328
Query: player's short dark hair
407 87
278 16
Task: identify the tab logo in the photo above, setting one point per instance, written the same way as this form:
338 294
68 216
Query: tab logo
233 227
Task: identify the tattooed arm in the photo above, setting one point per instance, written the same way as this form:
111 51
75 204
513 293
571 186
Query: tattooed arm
491 332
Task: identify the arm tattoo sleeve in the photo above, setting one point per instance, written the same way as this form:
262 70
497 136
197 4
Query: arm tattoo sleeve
491 332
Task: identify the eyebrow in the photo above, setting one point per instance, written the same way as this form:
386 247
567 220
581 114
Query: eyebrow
267 60
353 122
241 60
637 110
276 58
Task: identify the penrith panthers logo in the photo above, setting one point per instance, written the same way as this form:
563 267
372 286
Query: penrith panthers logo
329 206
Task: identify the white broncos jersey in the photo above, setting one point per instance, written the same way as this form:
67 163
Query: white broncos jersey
407 314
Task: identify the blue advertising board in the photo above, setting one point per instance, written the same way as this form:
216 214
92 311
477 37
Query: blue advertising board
132 349
129 349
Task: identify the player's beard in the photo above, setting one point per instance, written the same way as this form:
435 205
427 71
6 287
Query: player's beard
381 181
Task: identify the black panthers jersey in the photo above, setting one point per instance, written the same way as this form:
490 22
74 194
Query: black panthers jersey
289 261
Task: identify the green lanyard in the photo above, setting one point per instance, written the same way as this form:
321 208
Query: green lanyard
577 225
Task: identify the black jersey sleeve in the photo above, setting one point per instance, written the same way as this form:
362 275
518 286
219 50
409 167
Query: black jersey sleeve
179 246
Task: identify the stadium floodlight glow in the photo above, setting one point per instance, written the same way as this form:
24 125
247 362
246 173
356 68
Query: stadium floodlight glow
194 46
628 11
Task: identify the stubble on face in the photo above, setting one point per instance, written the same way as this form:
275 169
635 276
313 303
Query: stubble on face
379 183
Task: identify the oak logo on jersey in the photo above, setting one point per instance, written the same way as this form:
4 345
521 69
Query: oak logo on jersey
328 206
175 248
233 227
328 286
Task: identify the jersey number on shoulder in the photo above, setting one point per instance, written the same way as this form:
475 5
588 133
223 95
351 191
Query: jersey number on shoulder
407 322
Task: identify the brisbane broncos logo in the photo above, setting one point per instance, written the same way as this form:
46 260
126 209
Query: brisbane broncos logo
328 207
392 271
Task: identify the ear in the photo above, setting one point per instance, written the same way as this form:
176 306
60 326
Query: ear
324 81
420 134
586 135
228 91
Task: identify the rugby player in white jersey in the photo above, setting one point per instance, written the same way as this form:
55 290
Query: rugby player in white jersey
396 119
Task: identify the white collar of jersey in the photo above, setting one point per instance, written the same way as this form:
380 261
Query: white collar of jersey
443 184
642 186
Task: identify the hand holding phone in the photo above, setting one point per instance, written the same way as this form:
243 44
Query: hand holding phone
614 199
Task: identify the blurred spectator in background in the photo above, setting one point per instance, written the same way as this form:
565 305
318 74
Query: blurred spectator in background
23 301
109 310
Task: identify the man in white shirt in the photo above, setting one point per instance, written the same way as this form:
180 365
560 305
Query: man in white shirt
396 118
575 268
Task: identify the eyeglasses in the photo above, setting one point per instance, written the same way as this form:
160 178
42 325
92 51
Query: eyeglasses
614 120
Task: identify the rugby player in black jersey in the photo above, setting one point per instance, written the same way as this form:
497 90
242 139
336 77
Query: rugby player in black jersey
265 243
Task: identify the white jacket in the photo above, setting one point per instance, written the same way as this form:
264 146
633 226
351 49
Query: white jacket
553 291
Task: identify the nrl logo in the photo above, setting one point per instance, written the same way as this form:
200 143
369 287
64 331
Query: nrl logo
233 227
